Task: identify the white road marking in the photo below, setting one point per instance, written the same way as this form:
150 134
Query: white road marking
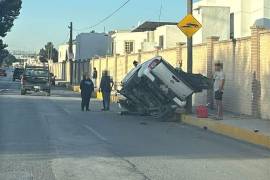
96 133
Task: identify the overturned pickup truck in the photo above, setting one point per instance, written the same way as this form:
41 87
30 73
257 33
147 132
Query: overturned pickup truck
158 89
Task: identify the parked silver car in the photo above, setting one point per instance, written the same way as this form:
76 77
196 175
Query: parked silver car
157 88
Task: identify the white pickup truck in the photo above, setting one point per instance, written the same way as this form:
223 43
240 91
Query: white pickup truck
157 88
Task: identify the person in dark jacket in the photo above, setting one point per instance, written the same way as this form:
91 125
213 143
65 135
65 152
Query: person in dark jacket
87 88
105 87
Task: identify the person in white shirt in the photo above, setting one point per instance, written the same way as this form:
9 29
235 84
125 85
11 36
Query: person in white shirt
219 82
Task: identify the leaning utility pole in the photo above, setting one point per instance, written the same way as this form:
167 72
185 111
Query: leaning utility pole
70 51
189 54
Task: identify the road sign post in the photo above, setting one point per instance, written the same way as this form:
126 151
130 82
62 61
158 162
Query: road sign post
189 26
189 55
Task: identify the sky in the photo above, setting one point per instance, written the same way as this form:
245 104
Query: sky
42 21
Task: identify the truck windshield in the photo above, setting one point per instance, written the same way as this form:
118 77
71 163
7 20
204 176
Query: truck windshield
37 72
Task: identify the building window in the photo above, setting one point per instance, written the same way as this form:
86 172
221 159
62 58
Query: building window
232 26
129 47
161 42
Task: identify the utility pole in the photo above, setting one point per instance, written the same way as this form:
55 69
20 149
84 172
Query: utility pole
70 51
70 44
189 54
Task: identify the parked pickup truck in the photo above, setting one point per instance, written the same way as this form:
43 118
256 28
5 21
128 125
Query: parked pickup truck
17 74
36 79
157 88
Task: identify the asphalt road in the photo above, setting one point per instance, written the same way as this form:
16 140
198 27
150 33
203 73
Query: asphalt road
49 138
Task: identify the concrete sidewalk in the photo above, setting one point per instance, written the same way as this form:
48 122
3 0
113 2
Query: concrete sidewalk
245 128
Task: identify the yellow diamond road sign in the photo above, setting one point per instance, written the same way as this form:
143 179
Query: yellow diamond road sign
189 25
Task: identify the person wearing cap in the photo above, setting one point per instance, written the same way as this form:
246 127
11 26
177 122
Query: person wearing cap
219 82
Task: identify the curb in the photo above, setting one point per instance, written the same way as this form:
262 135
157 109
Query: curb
228 130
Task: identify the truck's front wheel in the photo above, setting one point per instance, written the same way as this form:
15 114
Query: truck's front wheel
48 93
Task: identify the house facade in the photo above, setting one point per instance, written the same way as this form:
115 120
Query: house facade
146 37
127 41
63 52
241 16
226 19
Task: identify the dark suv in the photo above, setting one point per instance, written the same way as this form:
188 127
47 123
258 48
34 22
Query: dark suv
37 79
17 73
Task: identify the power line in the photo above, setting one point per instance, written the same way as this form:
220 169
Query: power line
106 18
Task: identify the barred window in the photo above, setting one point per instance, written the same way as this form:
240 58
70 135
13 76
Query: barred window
129 47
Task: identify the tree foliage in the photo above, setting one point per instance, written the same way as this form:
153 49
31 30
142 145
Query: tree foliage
9 11
48 52
9 59
3 54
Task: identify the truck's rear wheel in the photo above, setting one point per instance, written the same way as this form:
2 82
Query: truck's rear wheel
48 93
165 113
23 92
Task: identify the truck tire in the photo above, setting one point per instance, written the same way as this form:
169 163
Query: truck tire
23 92
164 114
48 93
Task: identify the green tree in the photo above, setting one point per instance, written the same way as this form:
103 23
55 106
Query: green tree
3 51
3 54
48 52
9 11
9 59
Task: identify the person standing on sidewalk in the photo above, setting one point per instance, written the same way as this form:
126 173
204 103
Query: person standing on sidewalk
87 88
219 82
95 77
105 87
